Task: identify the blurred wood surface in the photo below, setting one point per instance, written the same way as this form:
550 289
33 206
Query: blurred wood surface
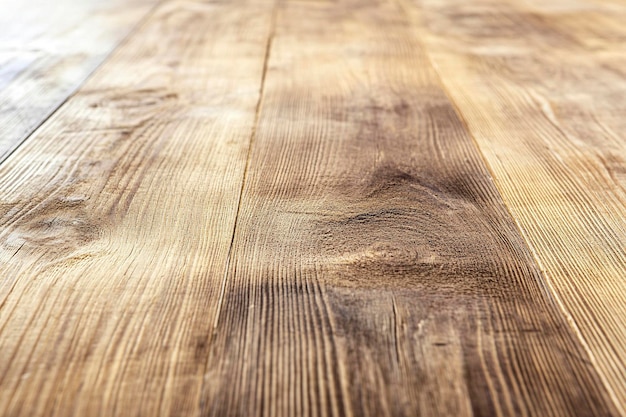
313 208
48 49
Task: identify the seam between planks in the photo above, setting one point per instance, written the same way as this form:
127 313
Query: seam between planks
251 140
542 271
253 135
134 29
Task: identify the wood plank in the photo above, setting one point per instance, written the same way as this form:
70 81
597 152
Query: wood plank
375 270
542 87
48 49
117 216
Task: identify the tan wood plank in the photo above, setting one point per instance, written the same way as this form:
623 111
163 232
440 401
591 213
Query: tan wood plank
48 49
117 216
375 270
542 87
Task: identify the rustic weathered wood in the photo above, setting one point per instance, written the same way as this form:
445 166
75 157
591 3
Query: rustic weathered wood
116 219
47 50
542 86
375 270
275 208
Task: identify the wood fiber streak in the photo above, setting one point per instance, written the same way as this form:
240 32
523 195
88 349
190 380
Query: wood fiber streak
117 215
375 270
542 86
47 50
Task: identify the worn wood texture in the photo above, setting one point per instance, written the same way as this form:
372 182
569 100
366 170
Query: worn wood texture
542 86
47 50
375 270
314 208
117 216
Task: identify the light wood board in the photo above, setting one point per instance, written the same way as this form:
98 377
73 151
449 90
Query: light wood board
542 87
117 217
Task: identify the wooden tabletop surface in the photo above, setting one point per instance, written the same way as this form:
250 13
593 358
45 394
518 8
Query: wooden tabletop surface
312 208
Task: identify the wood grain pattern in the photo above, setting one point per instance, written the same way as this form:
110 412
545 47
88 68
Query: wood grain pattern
375 270
313 208
117 216
542 87
47 50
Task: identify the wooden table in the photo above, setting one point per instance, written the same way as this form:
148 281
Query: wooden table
312 208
